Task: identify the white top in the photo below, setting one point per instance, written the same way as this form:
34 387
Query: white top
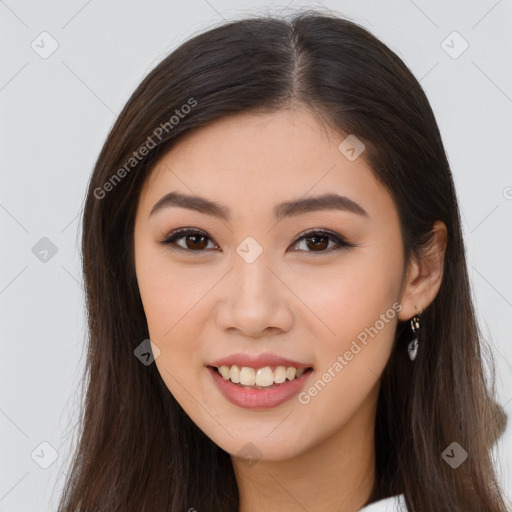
392 504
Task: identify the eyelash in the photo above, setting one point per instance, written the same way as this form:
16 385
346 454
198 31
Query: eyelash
184 232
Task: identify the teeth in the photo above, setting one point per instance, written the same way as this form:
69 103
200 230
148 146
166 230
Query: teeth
247 376
262 377
280 374
265 376
224 371
234 373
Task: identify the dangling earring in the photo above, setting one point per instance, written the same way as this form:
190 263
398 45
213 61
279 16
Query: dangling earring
412 348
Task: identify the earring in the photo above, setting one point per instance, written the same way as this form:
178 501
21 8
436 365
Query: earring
412 348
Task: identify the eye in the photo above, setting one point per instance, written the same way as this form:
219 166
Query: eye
195 240
318 241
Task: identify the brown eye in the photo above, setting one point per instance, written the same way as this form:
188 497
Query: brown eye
318 241
196 241
191 240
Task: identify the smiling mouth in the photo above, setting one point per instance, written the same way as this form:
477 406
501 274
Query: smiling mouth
268 377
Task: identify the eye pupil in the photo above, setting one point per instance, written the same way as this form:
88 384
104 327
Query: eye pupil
316 244
198 245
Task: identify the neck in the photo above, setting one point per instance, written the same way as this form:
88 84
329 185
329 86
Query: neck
336 474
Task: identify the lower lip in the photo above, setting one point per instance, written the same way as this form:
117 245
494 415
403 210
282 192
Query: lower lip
258 398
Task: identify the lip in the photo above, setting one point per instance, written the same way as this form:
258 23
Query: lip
250 398
259 361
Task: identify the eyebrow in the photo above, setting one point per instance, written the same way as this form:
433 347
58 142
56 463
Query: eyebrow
286 209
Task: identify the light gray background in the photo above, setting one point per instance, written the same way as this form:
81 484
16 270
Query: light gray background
56 113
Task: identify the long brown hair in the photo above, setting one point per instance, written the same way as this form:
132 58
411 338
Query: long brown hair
138 450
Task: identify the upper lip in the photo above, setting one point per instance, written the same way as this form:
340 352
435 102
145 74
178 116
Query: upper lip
259 361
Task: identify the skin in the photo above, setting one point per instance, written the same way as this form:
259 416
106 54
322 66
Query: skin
306 304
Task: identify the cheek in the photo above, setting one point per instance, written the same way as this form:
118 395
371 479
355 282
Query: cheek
357 305
171 309
159 295
170 292
174 300
350 297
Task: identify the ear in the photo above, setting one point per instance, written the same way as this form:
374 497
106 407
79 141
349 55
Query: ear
424 276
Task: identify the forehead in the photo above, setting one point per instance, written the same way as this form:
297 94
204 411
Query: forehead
253 161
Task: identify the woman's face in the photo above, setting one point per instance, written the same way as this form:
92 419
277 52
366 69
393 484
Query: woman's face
249 291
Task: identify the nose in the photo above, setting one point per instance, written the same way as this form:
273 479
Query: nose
255 300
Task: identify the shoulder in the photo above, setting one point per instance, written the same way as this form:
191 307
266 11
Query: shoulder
392 504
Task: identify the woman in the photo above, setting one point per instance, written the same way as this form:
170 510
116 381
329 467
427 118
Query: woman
279 308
